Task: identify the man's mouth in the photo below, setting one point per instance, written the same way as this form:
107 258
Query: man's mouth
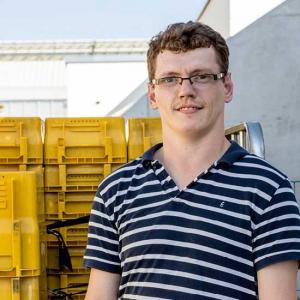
189 108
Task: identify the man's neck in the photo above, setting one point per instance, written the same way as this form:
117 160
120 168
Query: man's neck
186 158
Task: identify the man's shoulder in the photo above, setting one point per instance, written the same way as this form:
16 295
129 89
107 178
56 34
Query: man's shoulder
259 167
121 176
250 166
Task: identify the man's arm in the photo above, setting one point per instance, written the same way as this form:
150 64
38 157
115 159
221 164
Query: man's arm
103 285
278 281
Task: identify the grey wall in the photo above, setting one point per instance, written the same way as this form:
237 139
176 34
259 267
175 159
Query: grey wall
141 109
265 66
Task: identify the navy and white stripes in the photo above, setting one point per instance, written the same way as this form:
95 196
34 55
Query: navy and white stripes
204 242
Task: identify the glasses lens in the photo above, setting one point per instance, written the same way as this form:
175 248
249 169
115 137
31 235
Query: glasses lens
202 78
169 81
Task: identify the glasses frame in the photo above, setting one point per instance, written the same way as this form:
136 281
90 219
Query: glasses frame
215 76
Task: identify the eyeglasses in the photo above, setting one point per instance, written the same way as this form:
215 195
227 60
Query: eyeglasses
198 79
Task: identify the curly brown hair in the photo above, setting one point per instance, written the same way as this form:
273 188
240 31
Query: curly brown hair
182 37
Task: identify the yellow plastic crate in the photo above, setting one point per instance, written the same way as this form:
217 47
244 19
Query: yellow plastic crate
76 177
39 172
19 230
37 169
143 133
75 235
76 254
85 140
69 283
21 141
20 288
68 205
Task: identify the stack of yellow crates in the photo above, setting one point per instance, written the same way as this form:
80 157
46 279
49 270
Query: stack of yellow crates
78 154
19 231
21 149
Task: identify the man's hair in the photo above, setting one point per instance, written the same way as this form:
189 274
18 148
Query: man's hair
182 37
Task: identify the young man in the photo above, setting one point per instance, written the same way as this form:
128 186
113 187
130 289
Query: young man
196 217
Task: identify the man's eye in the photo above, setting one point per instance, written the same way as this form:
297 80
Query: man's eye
169 80
200 77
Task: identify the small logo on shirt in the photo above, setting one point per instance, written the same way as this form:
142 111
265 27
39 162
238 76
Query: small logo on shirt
222 204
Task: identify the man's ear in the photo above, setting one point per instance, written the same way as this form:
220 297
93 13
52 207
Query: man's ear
151 96
228 88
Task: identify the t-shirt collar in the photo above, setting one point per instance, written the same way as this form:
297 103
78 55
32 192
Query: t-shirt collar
234 153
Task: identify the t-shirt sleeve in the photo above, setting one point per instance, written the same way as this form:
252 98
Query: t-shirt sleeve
276 237
102 246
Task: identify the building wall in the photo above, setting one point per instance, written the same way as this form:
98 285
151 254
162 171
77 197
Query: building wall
231 16
32 88
33 108
141 109
216 15
265 66
74 78
243 13
96 88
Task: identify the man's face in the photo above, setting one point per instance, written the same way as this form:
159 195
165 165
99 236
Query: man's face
190 109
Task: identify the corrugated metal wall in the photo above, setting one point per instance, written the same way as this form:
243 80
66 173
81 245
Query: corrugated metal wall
33 108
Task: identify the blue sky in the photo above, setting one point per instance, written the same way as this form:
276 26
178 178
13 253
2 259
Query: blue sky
91 19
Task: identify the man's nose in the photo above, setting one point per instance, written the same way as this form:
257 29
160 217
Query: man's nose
186 88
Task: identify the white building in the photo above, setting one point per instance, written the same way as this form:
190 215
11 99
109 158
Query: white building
68 78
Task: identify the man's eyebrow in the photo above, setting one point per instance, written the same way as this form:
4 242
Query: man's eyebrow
201 71
192 72
169 74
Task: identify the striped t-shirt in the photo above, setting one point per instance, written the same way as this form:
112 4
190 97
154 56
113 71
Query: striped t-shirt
206 241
